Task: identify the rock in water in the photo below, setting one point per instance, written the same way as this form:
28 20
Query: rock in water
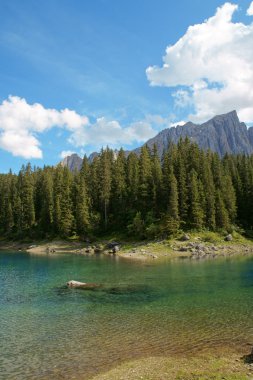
115 249
82 285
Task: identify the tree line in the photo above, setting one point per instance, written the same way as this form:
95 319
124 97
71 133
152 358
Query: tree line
139 195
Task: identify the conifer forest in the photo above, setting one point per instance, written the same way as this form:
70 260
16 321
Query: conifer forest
137 195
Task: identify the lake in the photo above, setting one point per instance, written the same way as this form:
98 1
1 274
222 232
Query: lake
180 307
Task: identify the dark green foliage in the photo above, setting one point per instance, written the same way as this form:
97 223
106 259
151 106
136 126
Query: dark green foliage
105 182
81 204
196 212
26 192
140 195
137 227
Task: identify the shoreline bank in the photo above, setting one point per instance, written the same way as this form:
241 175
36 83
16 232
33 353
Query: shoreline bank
192 246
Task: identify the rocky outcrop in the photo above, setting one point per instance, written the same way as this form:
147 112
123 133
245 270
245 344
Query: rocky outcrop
73 162
222 134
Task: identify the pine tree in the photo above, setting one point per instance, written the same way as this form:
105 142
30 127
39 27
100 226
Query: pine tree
16 204
26 190
222 219
46 201
66 221
81 204
172 216
195 207
63 210
132 180
181 175
145 179
208 191
156 181
106 158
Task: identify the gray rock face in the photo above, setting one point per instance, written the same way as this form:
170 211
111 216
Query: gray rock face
92 156
222 134
73 162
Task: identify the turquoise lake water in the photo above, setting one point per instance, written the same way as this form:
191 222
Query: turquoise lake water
51 332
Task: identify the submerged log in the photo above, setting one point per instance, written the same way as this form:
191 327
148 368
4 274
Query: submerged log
82 285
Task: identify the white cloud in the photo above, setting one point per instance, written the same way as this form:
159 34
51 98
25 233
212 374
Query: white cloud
20 144
250 10
66 153
211 67
110 132
21 125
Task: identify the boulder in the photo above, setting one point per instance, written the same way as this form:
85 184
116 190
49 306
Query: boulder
89 250
115 248
228 238
112 245
98 249
185 237
82 285
183 249
32 246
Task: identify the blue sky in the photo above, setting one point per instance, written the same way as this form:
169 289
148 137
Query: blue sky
92 58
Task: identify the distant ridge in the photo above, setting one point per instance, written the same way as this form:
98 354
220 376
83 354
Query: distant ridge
222 134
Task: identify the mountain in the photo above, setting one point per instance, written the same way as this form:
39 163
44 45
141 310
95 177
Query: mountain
73 162
222 134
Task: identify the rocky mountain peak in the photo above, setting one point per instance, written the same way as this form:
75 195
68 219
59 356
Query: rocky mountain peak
222 134
73 162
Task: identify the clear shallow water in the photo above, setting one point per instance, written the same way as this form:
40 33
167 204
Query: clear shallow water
50 332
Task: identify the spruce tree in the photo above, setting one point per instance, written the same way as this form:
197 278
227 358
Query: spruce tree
172 215
26 191
156 183
132 181
81 204
106 159
222 218
195 207
145 179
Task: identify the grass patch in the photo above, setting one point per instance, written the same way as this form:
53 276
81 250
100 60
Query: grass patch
211 237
